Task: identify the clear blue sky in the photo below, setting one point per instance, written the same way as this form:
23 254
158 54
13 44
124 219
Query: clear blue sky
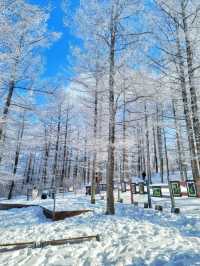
57 55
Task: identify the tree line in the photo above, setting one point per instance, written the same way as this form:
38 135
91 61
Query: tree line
131 105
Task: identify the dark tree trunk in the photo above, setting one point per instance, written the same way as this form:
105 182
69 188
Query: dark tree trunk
94 168
160 144
110 208
155 151
180 160
5 114
55 166
148 158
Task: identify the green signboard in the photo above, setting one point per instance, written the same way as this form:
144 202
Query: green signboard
191 188
176 188
157 192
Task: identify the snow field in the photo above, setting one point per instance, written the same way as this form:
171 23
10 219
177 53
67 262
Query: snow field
133 236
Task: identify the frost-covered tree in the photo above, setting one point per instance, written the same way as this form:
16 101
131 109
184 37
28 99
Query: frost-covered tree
177 38
23 34
116 26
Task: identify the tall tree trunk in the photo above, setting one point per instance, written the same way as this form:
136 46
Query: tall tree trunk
33 168
46 157
88 171
75 172
5 114
160 144
155 151
69 164
17 154
139 152
55 166
64 151
28 175
125 169
19 142
110 208
167 168
180 160
93 187
148 158
85 163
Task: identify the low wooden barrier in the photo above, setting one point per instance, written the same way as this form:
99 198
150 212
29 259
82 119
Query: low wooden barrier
61 215
55 216
8 206
7 247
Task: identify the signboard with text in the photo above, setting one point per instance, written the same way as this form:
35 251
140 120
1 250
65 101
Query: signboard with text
157 192
176 188
191 188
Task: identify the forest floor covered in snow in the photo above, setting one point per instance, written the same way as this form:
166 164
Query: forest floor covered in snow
134 236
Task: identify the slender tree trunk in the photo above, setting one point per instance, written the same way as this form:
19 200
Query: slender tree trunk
75 172
17 154
29 169
5 115
180 160
143 152
125 169
46 158
148 158
85 163
111 145
139 150
64 151
33 168
93 187
155 151
69 165
167 166
160 144
19 142
88 171
55 166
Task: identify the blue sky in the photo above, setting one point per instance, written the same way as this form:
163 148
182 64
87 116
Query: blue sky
57 55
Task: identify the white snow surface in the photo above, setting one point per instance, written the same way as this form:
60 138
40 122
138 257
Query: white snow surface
133 236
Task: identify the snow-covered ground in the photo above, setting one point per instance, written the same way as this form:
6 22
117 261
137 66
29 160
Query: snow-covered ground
134 236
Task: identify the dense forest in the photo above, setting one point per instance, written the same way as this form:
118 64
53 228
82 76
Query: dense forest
128 102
